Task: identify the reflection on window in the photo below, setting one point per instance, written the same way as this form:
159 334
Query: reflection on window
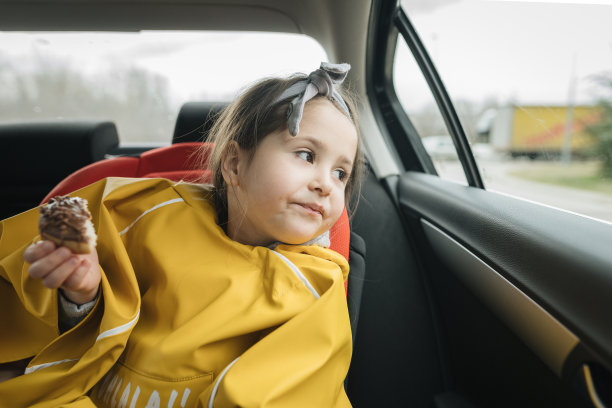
536 103
418 102
138 80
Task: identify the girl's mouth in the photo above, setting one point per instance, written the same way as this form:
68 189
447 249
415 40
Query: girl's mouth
313 208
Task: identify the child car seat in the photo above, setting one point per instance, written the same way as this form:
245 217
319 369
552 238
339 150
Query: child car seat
175 162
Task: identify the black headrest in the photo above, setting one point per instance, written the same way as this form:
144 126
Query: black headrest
195 120
52 150
34 157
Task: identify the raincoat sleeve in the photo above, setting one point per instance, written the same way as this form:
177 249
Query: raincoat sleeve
62 367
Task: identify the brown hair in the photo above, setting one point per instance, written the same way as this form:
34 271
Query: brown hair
253 116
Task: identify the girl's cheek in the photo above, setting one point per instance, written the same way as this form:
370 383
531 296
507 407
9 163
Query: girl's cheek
339 204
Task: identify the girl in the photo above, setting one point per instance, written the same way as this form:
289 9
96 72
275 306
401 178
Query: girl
199 296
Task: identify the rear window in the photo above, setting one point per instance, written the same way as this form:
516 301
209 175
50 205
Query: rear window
138 80
532 84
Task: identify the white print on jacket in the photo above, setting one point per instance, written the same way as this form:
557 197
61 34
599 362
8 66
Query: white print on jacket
109 391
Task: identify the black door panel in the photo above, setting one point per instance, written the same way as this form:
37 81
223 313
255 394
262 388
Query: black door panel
545 273
552 341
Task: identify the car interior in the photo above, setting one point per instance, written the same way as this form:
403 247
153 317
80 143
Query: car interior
458 297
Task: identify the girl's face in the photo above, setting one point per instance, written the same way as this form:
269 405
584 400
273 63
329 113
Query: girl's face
292 190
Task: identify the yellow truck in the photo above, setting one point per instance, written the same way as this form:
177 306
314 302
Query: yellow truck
541 131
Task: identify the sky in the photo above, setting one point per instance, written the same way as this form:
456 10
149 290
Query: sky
512 51
516 50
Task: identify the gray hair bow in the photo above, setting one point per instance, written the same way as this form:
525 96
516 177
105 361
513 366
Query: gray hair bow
318 82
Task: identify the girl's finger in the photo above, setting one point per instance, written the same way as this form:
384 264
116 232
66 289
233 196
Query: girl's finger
83 284
56 278
46 264
79 279
38 250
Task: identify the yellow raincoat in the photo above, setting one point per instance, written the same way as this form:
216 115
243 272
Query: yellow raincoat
186 317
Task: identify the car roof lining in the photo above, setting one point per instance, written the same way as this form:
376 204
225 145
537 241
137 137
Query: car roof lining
331 23
52 16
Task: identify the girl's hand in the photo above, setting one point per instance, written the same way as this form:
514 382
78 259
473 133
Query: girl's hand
78 275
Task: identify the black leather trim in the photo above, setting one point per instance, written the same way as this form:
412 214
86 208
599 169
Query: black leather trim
356 279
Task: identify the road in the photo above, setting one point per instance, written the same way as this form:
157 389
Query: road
496 176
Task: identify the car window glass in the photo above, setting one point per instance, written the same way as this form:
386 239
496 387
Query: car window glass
139 80
418 102
534 94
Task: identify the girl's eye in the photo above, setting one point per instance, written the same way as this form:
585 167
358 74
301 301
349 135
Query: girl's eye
306 156
340 174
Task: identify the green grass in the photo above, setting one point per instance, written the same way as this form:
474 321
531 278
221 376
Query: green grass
581 175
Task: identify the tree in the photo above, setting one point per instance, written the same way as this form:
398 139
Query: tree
41 87
602 130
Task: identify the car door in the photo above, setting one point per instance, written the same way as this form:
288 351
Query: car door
519 291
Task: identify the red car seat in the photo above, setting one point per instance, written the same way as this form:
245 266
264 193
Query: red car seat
175 162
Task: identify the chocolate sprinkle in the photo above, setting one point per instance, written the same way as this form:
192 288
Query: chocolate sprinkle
66 218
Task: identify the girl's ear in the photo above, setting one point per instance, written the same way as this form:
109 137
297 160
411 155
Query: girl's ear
230 164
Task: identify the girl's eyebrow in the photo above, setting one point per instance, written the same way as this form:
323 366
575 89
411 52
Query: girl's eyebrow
320 145
306 138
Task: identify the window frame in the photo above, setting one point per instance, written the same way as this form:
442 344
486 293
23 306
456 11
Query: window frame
389 22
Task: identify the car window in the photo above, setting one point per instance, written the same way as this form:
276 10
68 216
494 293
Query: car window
139 80
533 93
418 102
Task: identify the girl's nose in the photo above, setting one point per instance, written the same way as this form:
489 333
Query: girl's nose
321 183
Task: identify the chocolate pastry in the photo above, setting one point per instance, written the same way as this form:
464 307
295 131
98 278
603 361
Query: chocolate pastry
66 221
